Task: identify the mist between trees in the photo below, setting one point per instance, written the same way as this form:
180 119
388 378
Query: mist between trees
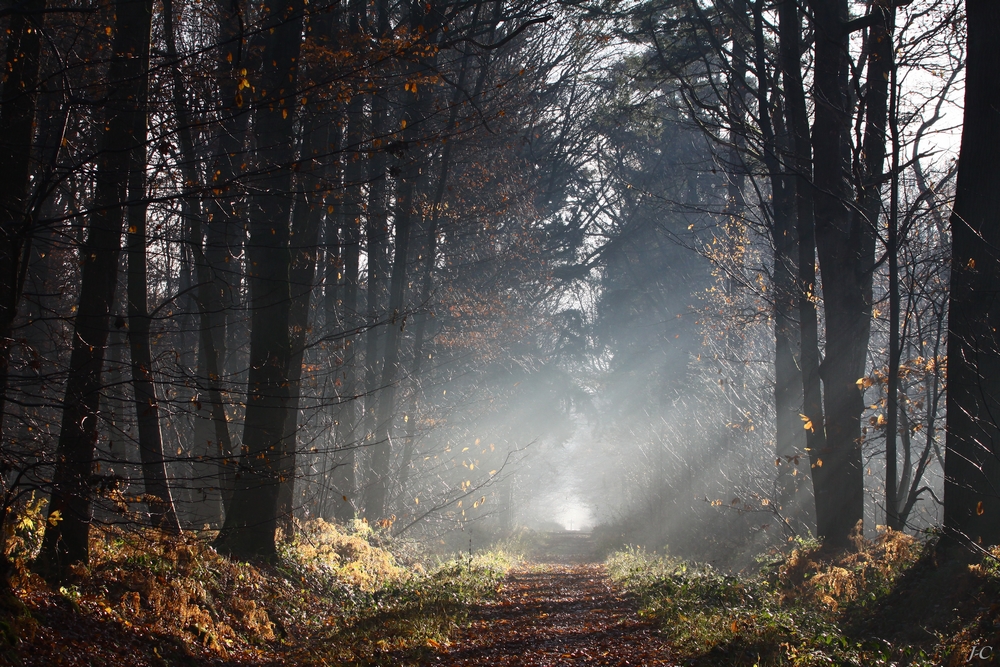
679 270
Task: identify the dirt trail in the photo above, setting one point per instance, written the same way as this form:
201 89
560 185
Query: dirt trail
558 613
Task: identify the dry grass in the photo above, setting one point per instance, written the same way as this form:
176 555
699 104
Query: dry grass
337 596
809 576
889 601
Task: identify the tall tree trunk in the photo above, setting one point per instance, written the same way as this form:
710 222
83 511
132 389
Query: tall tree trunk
429 253
841 243
376 233
154 471
320 145
784 237
378 483
66 536
736 226
972 457
224 231
344 484
210 323
333 274
870 179
17 133
251 523
306 222
790 46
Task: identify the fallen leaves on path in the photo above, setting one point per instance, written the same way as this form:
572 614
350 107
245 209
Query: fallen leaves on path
556 615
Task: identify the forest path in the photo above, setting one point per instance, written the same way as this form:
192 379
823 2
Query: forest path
557 613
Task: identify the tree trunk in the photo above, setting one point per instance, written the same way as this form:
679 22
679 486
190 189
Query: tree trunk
344 484
790 45
428 251
250 526
841 243
972 457
320 144
414 111
870 180
66 536
377 484
17 133
154 471
224 229
784 237
376 233
306 223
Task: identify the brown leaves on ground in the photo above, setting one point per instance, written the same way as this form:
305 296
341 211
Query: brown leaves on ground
808 576
557 615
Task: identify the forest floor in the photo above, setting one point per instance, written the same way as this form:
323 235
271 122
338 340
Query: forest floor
345 595
559 609
555 614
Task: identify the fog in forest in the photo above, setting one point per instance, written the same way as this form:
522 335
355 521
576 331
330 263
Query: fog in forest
347 289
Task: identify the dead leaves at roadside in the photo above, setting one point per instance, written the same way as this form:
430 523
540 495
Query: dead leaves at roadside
558 616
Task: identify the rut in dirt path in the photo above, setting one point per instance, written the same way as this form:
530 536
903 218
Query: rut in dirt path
557 614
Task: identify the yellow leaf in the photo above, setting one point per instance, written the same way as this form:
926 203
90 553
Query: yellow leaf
55 517
979 508
402 124
807 423
284 113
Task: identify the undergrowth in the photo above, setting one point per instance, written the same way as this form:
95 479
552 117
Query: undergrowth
888 602
338 595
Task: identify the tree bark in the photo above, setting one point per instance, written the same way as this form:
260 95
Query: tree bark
66 536
784 237
870 180
250 527
154 471
211 326
17 133
790 47
376 234
841 243
344 484
972 457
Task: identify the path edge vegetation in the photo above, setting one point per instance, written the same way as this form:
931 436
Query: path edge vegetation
334 594
893 600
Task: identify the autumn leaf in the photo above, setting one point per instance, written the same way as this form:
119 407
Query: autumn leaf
807 423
